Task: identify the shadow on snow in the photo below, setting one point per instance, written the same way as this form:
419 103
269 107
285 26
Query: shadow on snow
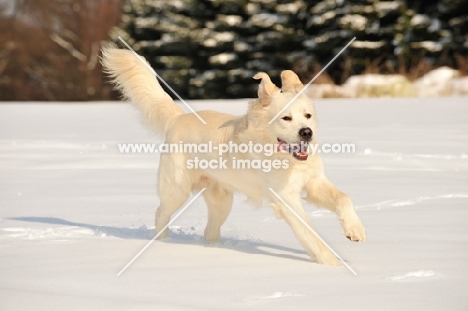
179 237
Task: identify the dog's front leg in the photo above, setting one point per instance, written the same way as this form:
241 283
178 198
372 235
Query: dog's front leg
322 192
313 245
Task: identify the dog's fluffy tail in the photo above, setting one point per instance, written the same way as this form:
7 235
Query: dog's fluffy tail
138 83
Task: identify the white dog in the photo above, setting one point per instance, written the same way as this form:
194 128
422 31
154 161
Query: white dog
295 125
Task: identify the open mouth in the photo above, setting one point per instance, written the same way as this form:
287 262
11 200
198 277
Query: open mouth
299 151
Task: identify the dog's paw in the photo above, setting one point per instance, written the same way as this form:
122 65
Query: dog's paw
162 235
212 237
355 231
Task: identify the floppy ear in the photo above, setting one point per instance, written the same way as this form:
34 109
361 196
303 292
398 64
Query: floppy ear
290 82
266 88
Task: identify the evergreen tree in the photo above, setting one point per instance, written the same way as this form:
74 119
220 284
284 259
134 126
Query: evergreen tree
212 48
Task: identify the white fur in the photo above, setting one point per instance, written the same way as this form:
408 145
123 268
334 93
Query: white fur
176 181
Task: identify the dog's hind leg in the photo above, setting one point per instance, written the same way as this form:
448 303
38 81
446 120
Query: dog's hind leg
171 200
174 189
322 192
219 202
170 203
313 245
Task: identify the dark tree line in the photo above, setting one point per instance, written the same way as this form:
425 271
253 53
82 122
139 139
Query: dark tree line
212 48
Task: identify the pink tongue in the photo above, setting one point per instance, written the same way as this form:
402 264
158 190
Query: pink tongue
301 155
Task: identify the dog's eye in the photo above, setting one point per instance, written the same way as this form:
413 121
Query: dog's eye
308 115
287 118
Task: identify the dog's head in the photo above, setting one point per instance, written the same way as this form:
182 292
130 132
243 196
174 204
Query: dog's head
292 120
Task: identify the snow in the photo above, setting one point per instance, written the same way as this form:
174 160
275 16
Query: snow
222 58
74 212
368 44
354 21
438 76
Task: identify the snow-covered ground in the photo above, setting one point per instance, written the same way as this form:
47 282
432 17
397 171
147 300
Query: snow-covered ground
74 211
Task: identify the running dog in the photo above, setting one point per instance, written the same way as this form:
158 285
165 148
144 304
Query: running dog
295 126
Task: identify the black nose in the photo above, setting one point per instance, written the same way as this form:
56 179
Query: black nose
306 133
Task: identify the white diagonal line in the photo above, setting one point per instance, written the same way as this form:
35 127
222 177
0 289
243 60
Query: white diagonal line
159 233
307 85
313 232
162 80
